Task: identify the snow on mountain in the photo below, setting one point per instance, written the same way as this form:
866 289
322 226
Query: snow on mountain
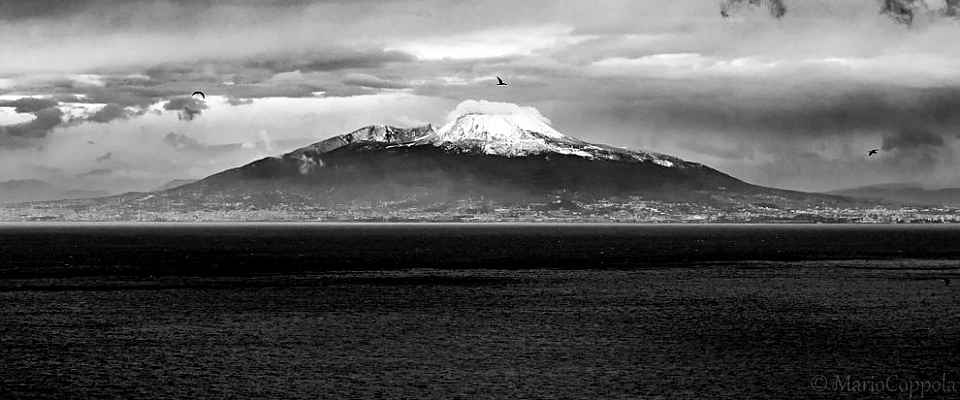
503 135
372 133
507 135
515 135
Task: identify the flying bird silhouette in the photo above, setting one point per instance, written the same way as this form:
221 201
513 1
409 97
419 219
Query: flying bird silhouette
872 152
200 93
500 82
946 281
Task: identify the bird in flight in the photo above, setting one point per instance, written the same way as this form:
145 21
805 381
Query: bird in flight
200 93
872 152
500 82
946 281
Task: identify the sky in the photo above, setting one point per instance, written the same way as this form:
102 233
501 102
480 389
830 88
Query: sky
95 94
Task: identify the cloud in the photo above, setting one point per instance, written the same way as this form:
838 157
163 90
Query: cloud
370 81
53 112
109 113
754 110
238 101
911 138
776 7
683 65
95 172
180 141
47 117
29 104
330 60
492 43
747 93
188 107
266 139
495 108
907 11
526 117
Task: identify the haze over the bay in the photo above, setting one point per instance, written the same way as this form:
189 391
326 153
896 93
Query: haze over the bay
97 92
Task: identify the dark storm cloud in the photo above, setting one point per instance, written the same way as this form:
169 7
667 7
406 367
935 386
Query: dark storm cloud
917 150
276 75
46 119
16 9
47 116
27 105
809 112
776 7
330 61
722 105
900 11
906 11
188 107
109 113
911 138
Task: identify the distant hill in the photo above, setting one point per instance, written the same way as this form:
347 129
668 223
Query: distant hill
904 193
24 190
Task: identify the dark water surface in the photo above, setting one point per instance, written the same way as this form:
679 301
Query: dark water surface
211 249
448 311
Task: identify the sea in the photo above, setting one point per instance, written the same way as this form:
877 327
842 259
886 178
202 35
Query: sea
479 311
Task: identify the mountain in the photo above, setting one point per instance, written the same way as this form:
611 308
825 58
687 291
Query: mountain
904 193
502 158
505 166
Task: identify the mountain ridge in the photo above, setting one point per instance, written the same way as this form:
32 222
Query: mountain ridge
502 152
478 164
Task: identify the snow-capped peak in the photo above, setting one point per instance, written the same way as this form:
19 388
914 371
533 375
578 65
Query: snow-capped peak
476 126
501 134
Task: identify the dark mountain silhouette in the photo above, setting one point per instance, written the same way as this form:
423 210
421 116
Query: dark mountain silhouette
476 162
496 158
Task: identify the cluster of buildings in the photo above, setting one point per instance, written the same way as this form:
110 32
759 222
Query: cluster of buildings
627 210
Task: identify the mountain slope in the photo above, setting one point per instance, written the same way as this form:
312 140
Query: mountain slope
479 167
495 157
